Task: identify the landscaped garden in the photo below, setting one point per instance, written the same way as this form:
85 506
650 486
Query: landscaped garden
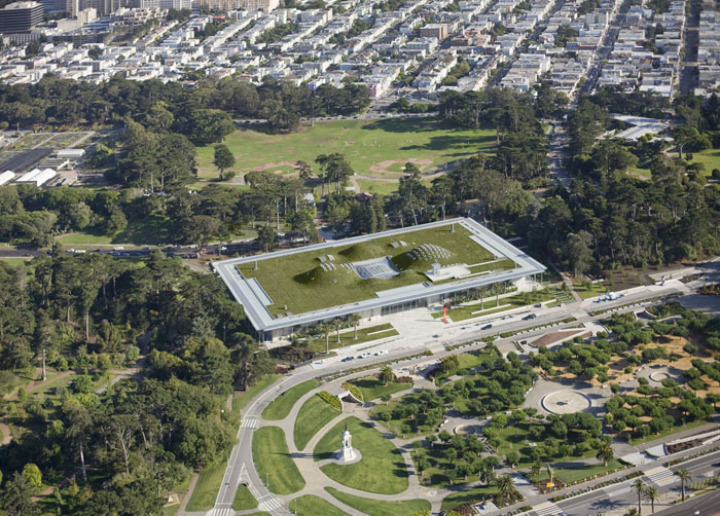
274 464
373 388
312 417
382 468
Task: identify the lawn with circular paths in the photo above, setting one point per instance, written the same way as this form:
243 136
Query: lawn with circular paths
382 468
281 406
274 464
312 417
379 507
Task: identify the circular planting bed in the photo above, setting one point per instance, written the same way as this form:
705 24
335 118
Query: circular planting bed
565 402
469 429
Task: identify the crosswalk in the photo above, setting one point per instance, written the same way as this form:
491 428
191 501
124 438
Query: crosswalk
222 511
249 422
548 509
269 504
661 476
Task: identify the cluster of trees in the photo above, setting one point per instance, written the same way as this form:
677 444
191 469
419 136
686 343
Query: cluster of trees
584 361
658 410
63 102
521 144
501 385
121 447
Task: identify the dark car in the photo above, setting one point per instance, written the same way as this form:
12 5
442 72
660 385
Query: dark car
486 327
347 359
530 316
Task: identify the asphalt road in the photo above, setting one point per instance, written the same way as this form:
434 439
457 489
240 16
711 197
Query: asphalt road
623 496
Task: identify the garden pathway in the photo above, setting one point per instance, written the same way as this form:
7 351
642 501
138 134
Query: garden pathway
6 434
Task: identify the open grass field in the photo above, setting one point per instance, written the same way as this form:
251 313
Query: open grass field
307 284
374 148
244 500
490 305
207 487
380 507
314 505
476 494
243 398
273 461
710 158
382 468
153 230
373 389
569 473
313 415
280 407
347 337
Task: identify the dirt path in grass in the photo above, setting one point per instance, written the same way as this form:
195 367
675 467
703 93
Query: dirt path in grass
382 167
6 434
266 166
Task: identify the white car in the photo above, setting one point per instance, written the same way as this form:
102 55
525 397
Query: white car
118 248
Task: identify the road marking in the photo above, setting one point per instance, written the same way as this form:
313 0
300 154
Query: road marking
617 490
547 509
249 422
270 504
661 476
222 511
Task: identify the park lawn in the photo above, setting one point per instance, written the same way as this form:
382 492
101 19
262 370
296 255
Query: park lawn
373 389
303 285
274 463
244 500
314 505
364 142
468 361
710 158
382 468
153 230
280 407
639 173
347 337
378 187
379 507
207 487
242 398
473 495
490 305
313 415
594 289
570 473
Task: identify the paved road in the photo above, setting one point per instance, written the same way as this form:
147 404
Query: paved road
622 496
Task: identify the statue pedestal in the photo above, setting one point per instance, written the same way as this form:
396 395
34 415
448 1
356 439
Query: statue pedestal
343 458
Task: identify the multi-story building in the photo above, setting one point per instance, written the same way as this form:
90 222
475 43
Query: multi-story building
20 17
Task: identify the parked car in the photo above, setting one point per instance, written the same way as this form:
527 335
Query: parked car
486 327
529 316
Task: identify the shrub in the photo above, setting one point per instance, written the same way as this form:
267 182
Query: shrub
353 390
333 401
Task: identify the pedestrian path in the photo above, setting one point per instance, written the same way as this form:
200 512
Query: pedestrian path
249 422
223 511
661 476
547 509
270 504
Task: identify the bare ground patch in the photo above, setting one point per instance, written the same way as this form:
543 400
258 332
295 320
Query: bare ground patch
383 166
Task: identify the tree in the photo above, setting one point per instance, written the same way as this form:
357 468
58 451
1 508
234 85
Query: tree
223 158
605 453
684 476
267 238
31 474
16 497
355 320
325 329
507 493
651 494
512 458
639 487
578 251
386 375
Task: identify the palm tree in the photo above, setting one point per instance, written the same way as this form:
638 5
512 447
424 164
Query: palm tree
355 320
639 486
326 330
338 324
684 476
605 453
506 490
651 494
